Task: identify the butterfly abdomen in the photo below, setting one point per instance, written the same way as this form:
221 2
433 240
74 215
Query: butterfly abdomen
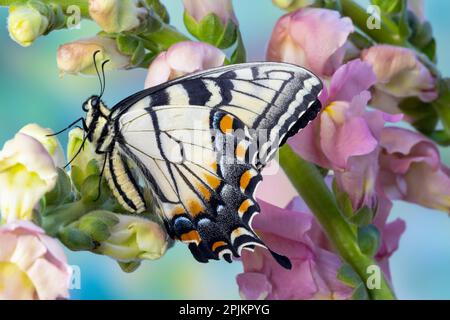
122 183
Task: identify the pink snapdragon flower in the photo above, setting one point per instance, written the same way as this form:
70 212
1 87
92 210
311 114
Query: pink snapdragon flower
399 74
183 58
390 234
314 269
411 169
295 39
345 136
32 265
295 232
344 128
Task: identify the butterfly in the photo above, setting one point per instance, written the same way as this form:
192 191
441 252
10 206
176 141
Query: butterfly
199 143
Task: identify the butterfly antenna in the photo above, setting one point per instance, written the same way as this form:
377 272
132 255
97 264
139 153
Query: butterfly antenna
104 78
65 129
96 70
78 152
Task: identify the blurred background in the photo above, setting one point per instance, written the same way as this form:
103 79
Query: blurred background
32 91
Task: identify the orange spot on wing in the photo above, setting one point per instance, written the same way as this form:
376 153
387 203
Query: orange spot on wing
195 207
177 211
214 166
244 207
218 244
191 236
245 179
226 123
212 180
240 151
204 191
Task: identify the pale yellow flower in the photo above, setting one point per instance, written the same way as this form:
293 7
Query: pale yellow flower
51 143
27 173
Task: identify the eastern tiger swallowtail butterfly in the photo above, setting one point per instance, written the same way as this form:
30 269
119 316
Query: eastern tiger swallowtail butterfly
177 137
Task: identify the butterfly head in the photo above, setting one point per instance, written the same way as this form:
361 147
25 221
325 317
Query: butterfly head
95 110
92 103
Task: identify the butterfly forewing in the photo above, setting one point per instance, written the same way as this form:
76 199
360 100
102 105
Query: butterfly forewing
202 140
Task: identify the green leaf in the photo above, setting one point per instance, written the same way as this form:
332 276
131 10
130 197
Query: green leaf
75 239
138 55
442 104
343 200
97 224
127 44
95 228
210 29
228 36
430 50
159 9
422 34
62 190
190 24
129 267
362 217
239 55
348 276
389 7
330 4
440 137
147 60
90 189
360 40
403 27
424 117
369 240
360 293
106 217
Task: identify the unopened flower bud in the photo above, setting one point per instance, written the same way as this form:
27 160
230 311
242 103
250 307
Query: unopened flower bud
116 16
77 57
26 24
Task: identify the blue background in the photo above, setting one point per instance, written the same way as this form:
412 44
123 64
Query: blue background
32 91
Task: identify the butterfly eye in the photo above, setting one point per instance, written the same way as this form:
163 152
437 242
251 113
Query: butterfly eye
95 102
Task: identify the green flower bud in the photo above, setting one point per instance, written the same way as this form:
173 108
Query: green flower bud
84 164
369 240
26 24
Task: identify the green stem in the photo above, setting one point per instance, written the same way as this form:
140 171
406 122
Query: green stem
54 220
310 184
162 39
82 4
388 31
